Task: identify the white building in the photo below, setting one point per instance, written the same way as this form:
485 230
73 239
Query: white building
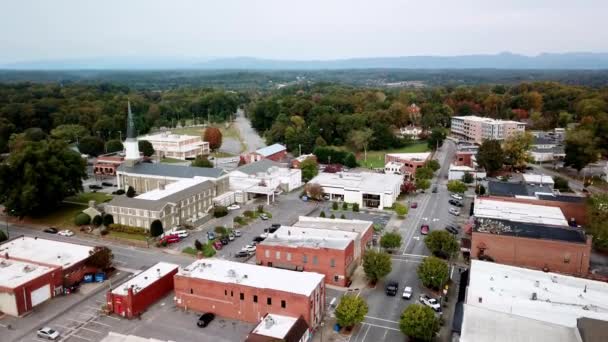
266 173
411 131
456 172
477 129
177 146
370 190
506 303
394 168
519 212
280 328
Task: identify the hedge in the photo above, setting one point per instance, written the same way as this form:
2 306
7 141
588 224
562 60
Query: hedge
115 227
81 219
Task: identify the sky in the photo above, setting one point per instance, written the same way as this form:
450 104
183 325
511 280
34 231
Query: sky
35 30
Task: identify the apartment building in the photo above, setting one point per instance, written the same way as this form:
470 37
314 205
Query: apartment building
182 202
249 292
177 146
477 129
325 251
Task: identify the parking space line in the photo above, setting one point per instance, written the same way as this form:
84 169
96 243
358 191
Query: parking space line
105 325
82 338
64 327
39 340
365 335
108 316
381 319
73 320
381 326
91 330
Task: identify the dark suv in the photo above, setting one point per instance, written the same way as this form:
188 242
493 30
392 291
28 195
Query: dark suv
391 288
205 319
455 202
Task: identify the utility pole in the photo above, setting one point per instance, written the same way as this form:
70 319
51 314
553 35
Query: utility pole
208 118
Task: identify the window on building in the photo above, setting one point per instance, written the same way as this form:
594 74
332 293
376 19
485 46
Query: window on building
255 298
288 256
315 260
267 253
191 291
225 292
242 296
332 262
305 258
231 293
269 301
283 304
278 255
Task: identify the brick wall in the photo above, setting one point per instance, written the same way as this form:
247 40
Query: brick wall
277 156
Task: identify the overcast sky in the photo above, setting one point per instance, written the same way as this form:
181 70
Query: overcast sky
303 29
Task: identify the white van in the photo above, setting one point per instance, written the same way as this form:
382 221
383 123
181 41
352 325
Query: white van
180 233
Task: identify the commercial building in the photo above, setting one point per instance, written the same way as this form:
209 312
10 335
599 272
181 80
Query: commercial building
363 229
33 270
276 152
278 328
133 297
456 172
184 202
477 129
249 292
107 164
177 146
116 337
408 163
371 190
548 146
506 303
518 212
325 251
265 173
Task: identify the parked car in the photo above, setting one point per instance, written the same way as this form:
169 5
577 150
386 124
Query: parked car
51 230
224 240
249 248
456 203
210 236
107 184
414 205
264 217
169 239
95 187
66 232
47 333
454 211
424 229
391 288
233 207
264 235
434 188
241 254
179 233
237 233
259 239
430 302
205 319
217 245
452 229
231 237
456 196
407 293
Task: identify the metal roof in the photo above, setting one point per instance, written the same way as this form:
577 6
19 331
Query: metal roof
168 170
270 150
530 230
257 167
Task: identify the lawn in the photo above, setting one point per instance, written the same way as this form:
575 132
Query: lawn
172 161
61 217
127 236
375 159
85 197
190 250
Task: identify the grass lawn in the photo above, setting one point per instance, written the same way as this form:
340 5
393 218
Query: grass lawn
85 197
127 236
190 250
61 217
220 154
375 159
172 161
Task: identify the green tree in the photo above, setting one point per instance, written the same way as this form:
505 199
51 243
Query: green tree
480 190
359 140
156 228
107 219
376 265
580 148
433 164
334 206
213 136
436 138
220 211
351 310
92 146
201 161
322 214
423 184
457 186
69 133
97 221
390 240
419 323
198 245
114 146
597 225
342 217
564 119
344 206
320 141
401 210
490 156
332 216
356 207
441 243
101 257
81 219
3 236
309 168
350 160
516 149
145 147
131 192
468 178
433 272
39 175
424 173
561 184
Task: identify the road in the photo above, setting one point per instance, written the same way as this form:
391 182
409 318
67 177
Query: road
382 320
574 184
251 138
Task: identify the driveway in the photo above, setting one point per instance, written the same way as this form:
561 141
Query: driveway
251 138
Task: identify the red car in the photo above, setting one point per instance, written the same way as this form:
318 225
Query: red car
424 229
169 239
218 245
414 205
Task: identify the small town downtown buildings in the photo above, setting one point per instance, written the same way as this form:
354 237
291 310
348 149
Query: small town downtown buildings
33 270
249 292
133 297
275 152
177 146
371 190
476 129
326 251
405 163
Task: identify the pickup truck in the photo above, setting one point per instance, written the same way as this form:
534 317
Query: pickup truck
430 302
391 288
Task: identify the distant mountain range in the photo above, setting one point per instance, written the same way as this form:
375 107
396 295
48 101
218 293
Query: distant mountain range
573 60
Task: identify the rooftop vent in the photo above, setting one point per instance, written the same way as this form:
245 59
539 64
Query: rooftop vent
231 273
269 322
536 283
534 296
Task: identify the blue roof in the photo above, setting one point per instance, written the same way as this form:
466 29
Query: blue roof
168 170
270 150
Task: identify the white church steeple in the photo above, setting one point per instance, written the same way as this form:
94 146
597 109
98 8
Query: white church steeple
131 145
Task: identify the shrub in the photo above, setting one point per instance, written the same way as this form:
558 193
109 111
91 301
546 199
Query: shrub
97 221
122 228
131 192
220 211
322 214
342 216
401 210
198 245
118 192
208 250
344 206
107 220
240 220
480 190
334 206
81 219
468 178
156 228
260 208
249 213
332 216
220 230
3 236
356 207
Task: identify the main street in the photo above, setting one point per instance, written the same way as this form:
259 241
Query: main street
382 320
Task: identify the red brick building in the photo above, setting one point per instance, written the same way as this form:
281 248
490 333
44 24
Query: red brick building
573 207
133 297
543 247
249 292
295 163
464 158
329 252
275 152
106 165
411 161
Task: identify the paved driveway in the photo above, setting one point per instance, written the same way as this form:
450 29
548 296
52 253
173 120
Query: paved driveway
251 138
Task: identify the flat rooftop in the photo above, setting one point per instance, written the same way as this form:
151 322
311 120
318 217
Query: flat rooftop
171 171
270 150
167 137
530 230
45 251
536 178
15 273
485 120
116 337
518 212
510 189
357 226
275 326
546 297
310 237
145 278
365 181
422 156
171 188
223 271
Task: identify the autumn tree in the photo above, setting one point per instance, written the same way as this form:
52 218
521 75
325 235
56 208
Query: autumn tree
100 257
581 149
314 191
214 137
490 156
516 149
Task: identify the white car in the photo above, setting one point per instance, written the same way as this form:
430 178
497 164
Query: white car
264 217
231 237
249 248
180 233
430 302
264 235
233 207
66 232
237 233
454 211
407 292
456 196
48 333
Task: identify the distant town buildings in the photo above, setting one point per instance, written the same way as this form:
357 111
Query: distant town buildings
477 129
405 164
412 132
177 146
548 146
275 152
